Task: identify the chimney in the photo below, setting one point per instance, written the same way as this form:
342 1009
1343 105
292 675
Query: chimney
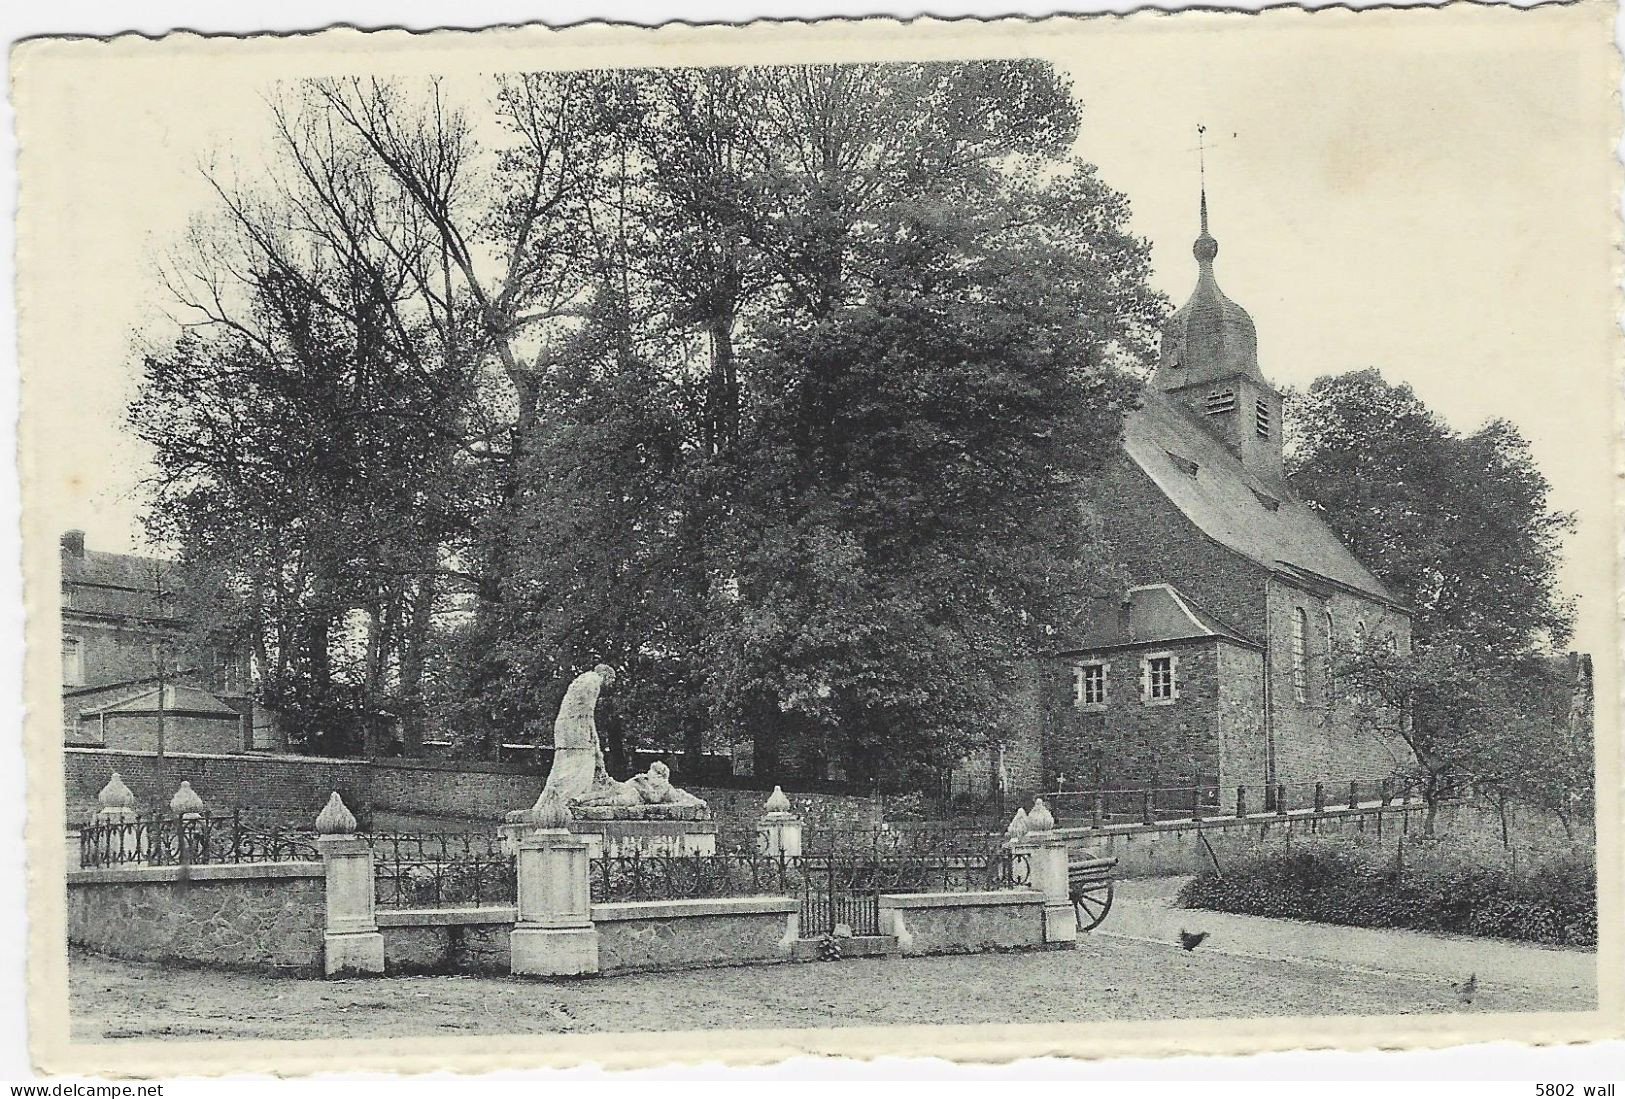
73 544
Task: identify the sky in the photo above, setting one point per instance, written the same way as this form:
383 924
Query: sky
1429 193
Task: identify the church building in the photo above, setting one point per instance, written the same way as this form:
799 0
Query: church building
1216 664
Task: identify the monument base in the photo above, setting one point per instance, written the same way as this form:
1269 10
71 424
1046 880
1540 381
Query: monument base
626 838
553 951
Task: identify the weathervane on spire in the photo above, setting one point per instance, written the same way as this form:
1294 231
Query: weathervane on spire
1201 169
1205 247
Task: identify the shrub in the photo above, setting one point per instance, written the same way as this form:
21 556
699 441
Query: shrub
1426 885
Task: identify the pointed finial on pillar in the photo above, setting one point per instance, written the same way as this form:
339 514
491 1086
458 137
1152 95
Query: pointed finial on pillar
186 801
1040 819
335 819
1017 826
777 802
116 799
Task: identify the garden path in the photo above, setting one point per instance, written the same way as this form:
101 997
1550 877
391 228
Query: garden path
1144 910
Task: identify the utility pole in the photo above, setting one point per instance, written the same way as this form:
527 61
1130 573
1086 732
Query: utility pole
161 675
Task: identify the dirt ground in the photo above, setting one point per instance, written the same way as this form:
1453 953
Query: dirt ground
1105 978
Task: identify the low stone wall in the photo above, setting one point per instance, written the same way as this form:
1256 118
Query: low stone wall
642 935
963 923
1188 847
250 915
446 940
426 791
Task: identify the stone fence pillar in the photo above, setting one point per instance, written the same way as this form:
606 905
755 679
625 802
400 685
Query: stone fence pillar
779 832
353 943
553 935
1046 853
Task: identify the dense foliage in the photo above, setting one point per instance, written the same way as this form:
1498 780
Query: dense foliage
1459 527
772 387
1422 885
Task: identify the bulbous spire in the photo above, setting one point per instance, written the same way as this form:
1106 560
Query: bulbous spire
1210 336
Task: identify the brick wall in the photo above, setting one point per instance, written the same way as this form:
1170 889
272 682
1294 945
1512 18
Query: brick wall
293 783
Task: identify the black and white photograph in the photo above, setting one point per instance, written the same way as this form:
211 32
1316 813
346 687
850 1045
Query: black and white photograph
625 545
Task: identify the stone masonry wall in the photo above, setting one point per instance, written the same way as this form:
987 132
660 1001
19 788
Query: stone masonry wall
1316 739
299 785
1243 744
1178 847
1131 740
1156 544
270 922
684 941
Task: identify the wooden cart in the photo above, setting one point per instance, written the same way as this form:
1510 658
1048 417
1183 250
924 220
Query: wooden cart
1090 885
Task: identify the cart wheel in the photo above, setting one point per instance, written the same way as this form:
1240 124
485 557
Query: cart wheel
1092 903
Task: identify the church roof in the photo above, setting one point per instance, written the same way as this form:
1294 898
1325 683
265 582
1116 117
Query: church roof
1261 519
1152 614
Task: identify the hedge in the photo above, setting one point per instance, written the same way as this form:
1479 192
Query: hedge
1426 885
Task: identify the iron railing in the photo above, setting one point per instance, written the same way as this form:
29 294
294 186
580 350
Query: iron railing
679 877
1155 802
442 869
193 840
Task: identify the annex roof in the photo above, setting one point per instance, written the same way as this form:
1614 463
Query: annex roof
1152 614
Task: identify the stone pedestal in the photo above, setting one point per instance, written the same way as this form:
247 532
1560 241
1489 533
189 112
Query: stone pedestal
553 935
1046 855
353 942
779 834
626 838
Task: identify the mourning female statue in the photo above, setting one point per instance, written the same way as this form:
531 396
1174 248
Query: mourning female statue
579 778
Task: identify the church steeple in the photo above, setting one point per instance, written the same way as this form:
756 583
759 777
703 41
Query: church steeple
1209 362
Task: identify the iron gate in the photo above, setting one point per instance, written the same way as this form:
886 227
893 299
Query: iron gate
838 890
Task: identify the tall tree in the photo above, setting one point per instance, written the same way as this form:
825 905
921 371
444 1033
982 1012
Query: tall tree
1458 525
821 458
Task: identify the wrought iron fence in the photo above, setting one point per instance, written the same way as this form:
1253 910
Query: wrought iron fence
1154 801
901 841
442 869
193 840
680 877
832 888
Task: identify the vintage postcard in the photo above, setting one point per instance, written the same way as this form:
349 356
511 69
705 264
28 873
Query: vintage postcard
1086 536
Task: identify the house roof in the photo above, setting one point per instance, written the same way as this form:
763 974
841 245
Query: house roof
1153 614
177 699
122 570
1259 518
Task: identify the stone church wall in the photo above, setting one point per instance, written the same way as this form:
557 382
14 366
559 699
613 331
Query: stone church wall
1318 739
1156 544
1243 747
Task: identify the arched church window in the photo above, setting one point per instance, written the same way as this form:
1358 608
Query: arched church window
1331 659
1300 655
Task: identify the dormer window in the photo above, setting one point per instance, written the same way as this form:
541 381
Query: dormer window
1263 418
1185 464
1221 401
